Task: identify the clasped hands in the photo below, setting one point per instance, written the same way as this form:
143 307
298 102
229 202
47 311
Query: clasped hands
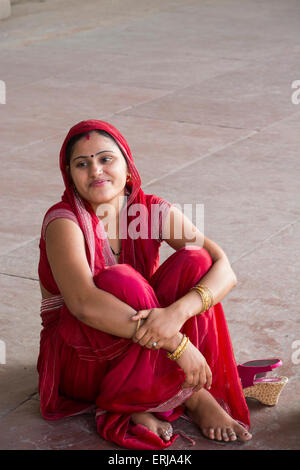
160 326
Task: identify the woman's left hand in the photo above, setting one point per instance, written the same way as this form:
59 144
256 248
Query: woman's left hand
161 325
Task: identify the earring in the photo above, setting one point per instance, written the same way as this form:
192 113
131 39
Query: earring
128 178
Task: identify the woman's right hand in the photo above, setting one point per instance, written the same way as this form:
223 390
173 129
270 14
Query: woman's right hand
197 371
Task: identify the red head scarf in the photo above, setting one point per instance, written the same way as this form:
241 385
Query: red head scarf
141 253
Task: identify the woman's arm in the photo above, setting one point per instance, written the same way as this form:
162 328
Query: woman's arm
179 231
162 323
95 307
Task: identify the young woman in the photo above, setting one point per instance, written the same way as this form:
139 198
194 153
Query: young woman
122 335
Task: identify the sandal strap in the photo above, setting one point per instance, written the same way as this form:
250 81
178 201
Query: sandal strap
251 369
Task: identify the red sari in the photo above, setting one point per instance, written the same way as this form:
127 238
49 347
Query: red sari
81 368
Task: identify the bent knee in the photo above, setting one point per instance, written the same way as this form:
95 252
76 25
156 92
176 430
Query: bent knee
197 254
124 282
122 275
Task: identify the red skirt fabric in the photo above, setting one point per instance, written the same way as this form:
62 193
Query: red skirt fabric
81 368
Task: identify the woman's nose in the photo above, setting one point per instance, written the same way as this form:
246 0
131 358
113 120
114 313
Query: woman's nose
96 167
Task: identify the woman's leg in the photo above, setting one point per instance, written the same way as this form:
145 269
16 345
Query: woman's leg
131 287
209 333
123 379
181 271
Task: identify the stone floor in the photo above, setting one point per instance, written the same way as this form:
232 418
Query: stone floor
203 93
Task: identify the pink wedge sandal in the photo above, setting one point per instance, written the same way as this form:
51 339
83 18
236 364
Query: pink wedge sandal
255 383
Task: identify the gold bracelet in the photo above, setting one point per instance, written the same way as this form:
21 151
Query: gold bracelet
203 298
206 296
180 349
177 353
207 293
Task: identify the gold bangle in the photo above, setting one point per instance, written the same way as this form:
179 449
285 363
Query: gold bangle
207 293
177 353
171 355
183 348
205 288
203 299
180 349
206 296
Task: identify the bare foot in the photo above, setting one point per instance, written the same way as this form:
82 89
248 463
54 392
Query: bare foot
213 421
162 429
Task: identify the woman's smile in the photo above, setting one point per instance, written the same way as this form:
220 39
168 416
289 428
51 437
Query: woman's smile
99 183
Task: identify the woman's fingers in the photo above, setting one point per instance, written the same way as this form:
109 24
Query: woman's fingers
147 338
153 344
142 336
193 380
198 379
208 377
188 381
141 314
198 384
203 376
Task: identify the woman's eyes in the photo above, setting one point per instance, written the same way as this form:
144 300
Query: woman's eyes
85 163
81 164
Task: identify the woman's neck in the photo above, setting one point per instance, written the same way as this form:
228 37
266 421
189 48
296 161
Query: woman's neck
113 207
109 214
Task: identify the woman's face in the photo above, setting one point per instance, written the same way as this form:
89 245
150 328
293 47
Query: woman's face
97 158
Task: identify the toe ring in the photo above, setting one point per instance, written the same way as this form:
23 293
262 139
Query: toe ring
168 431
